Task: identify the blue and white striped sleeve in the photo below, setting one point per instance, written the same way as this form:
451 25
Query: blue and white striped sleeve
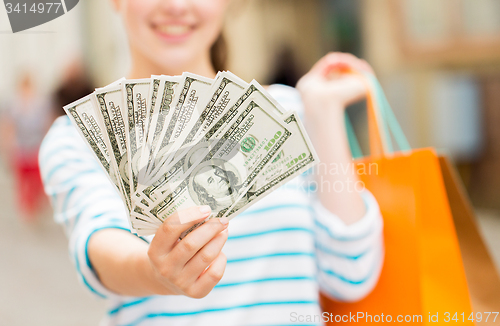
83 198
349 257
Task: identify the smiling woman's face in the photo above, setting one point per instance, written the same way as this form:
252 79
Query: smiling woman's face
172 33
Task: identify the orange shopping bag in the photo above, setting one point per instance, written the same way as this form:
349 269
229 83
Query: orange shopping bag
422 279
482 277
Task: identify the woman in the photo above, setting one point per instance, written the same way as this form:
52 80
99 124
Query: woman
279 254
22 128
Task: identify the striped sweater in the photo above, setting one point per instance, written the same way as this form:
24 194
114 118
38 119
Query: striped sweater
280 253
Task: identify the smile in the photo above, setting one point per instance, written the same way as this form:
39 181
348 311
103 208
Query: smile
174 30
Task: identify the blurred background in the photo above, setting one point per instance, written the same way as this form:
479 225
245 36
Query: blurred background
438 61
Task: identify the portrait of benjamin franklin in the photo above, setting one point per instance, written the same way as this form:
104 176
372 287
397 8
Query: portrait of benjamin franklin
215 183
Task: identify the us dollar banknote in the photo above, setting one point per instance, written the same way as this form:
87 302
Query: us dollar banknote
224 174
176 170
109 103
84 116
171 142
192 93
226 90
164 94
295 157
135 96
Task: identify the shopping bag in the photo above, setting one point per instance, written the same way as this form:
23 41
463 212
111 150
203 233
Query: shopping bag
422 278
482 276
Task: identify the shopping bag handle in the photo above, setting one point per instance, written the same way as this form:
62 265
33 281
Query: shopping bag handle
378 138
390 121
382 123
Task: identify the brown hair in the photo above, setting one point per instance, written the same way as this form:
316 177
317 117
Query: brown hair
218 53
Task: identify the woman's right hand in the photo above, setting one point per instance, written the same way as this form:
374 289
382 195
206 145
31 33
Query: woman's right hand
193 265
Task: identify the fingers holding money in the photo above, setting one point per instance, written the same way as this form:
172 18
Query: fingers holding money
195 242
169 143
178 265
167 235
205 256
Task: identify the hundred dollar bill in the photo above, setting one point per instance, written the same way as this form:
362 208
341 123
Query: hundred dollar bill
109 103
296 156
194 102
191 95
153 95
138 222
225 91
136 95
154 89
167 143
135 98
255 92
84 116
224 174
177 169
164 93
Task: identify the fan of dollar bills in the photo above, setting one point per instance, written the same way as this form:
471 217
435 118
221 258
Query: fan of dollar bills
172 142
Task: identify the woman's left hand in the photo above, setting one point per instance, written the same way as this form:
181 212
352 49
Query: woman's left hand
329 84
326 91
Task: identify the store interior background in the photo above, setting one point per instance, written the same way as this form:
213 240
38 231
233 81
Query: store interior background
438 61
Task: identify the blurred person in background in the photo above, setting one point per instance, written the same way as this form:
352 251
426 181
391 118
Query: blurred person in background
23 124
279 254
74 85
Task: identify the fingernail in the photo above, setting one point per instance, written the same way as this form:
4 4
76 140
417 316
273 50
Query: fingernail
205 210
224 221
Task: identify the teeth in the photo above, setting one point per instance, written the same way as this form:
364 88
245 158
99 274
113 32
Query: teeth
173 29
